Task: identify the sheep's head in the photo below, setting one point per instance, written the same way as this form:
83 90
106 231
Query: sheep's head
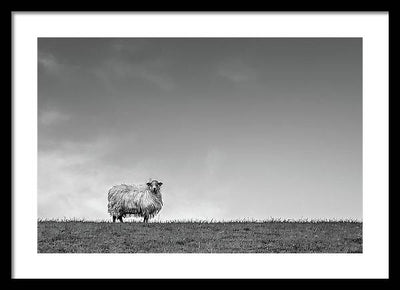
154 186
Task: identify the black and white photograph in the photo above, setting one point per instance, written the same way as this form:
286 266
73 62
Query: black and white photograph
203 145
157 137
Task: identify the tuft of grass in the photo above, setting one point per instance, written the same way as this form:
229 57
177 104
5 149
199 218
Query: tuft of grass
200 236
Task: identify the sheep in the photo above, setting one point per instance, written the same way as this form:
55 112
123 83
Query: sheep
142 200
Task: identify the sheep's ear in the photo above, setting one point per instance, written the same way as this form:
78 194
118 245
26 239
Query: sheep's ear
148 183
160 183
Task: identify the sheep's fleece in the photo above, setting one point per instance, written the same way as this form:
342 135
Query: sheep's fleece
133 200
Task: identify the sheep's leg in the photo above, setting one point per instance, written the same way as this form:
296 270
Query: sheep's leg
146 219
114 218
120 219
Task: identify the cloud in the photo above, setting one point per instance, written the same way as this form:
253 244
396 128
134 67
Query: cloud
234 76
53 65
49 62
196 114
162 81
214 160
130 47
73 180
119 69
51 117
236 71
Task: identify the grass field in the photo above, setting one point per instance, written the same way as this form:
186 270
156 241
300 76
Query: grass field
200 237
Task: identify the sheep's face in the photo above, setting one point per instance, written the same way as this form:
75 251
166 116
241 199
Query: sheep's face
154 186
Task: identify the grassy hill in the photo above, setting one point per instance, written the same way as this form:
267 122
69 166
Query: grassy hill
200 237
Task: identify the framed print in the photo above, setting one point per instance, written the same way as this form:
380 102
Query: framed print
232 145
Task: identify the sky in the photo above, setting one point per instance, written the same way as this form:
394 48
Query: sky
235 128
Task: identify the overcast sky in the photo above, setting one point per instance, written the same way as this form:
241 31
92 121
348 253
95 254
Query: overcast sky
240 128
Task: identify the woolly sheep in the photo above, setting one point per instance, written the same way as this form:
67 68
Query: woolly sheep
142 200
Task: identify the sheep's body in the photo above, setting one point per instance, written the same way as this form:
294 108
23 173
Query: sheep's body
134 200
